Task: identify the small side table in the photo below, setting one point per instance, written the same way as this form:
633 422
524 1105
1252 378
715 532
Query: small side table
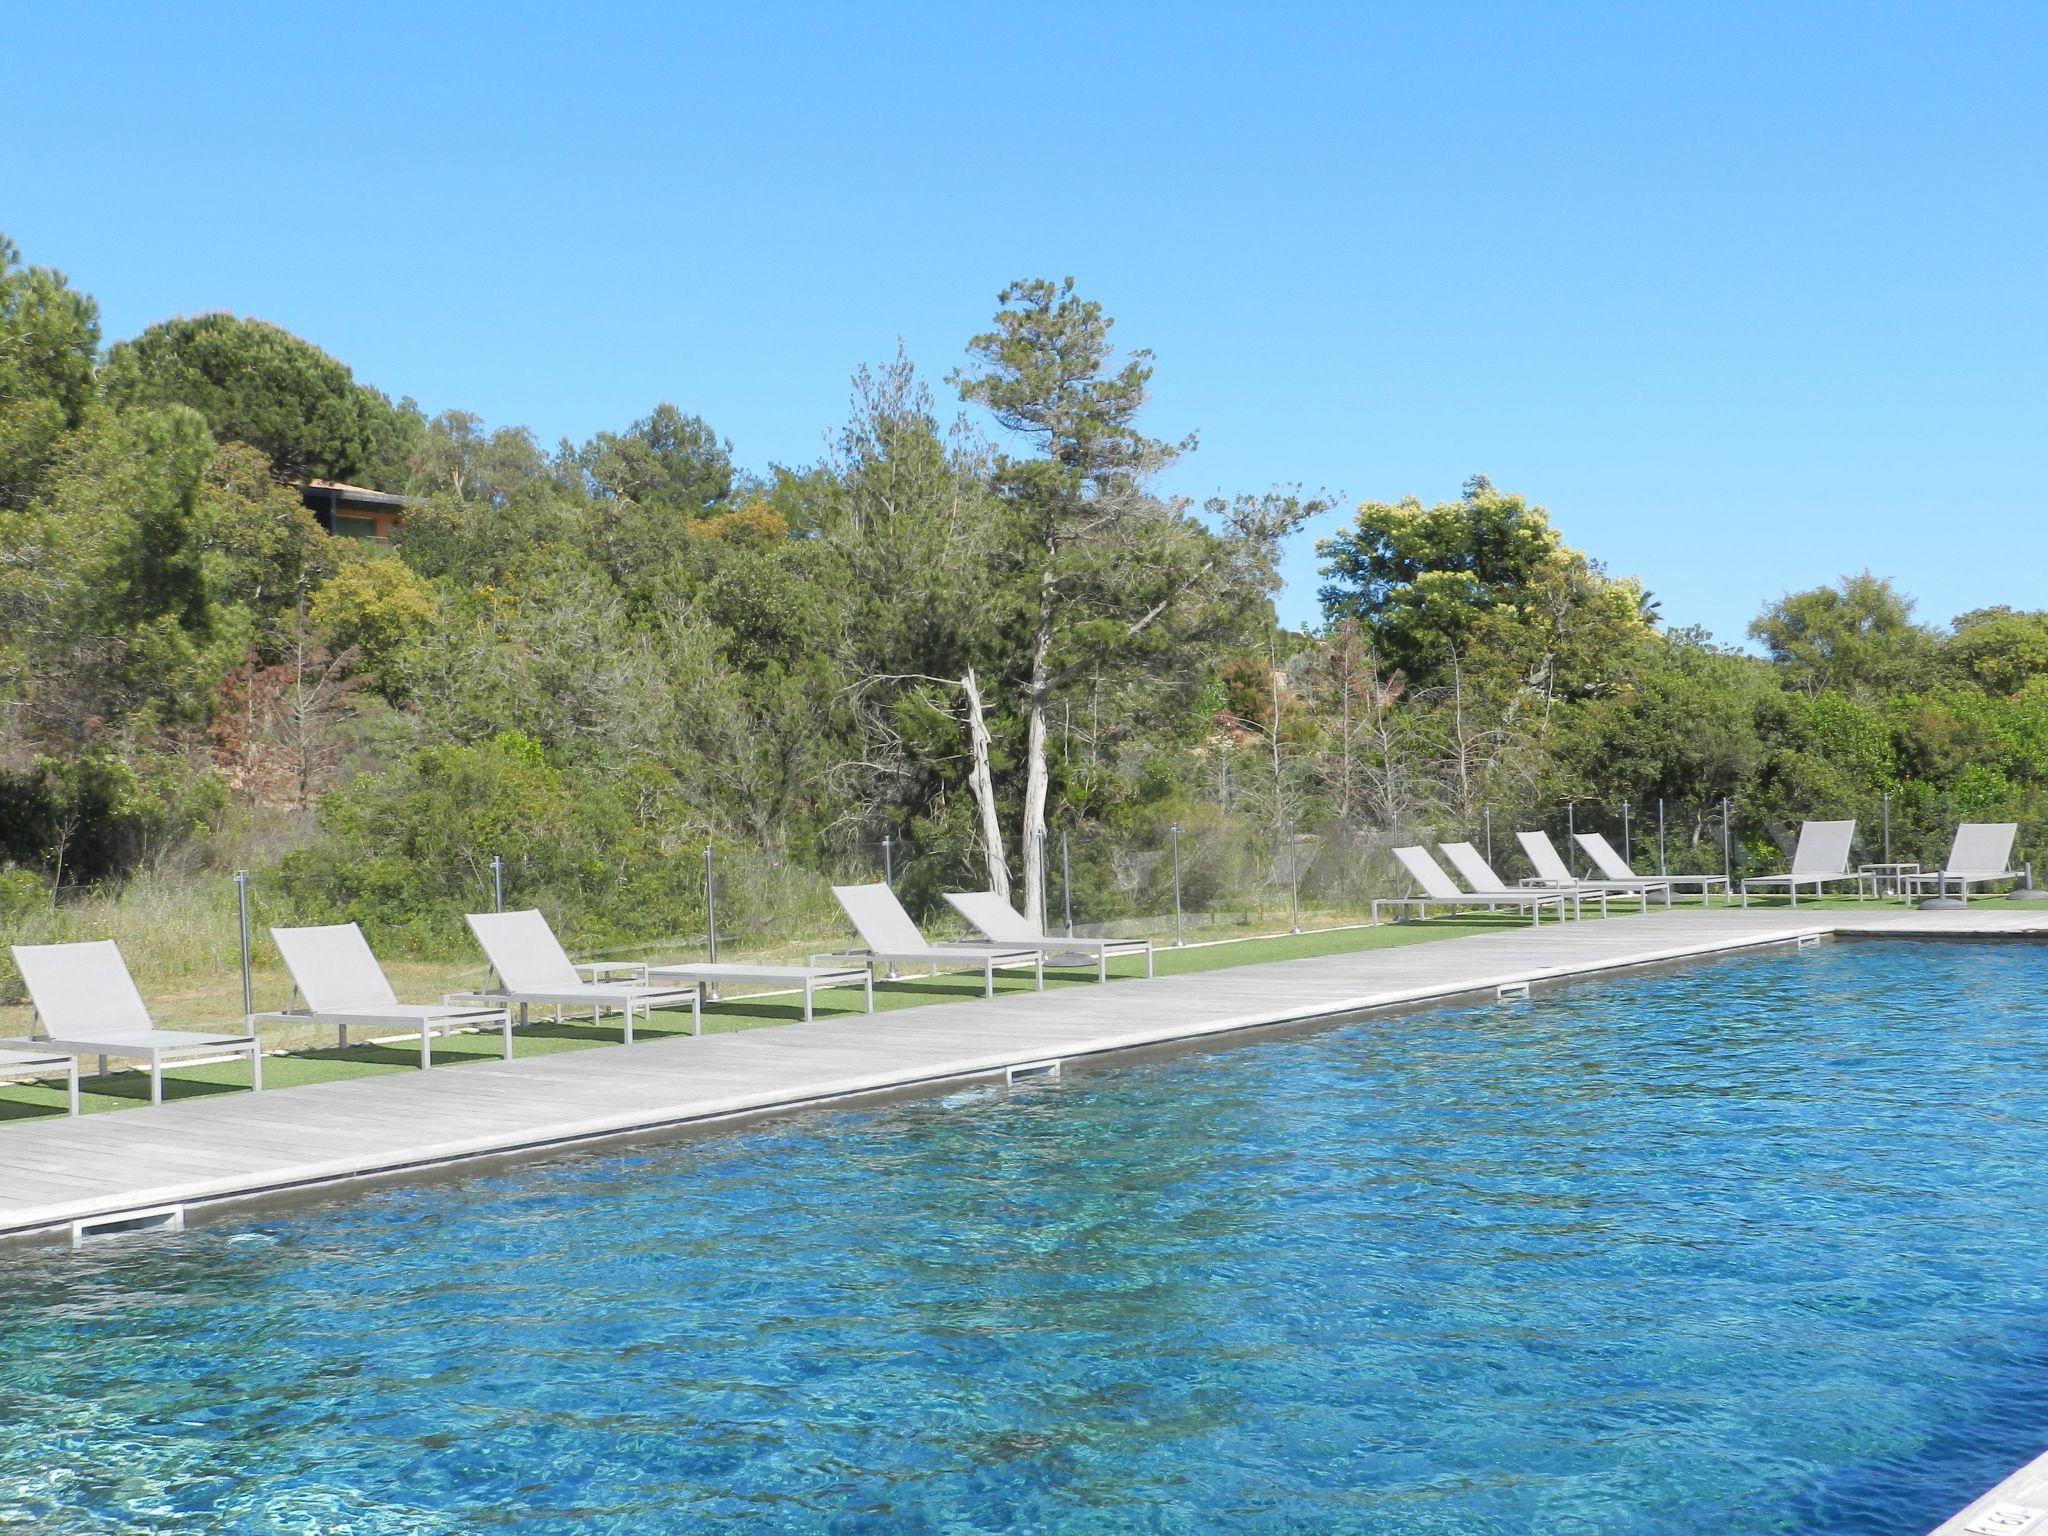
1884 879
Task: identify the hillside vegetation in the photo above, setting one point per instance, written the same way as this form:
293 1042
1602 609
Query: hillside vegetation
975 626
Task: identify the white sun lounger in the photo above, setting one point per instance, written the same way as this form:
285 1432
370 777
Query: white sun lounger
1614 868
892 938
532 967
1979 855
1820 858
1438 890
1001 923
86 1005
342 984
1553 874
1473 869
25 1059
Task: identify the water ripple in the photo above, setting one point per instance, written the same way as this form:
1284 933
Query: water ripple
1749 1248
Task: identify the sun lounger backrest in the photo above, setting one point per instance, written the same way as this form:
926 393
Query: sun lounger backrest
878 917
1823 848
1543 854
1427 874
333 968
524 951
82 991
994 917
1605 859
1982 848
1472 867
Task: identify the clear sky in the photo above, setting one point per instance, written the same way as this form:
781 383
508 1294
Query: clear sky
1747 295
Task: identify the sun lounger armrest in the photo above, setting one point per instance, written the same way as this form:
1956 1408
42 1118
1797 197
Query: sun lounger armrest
605 970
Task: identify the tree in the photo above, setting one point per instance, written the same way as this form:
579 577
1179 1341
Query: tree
255 383
278 731
104 608
651 487
49 338
1856 637
263 550
455 456
1106 577
907 539
2000 649
376 609
1430 586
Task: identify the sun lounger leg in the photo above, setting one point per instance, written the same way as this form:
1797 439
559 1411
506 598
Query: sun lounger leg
869 988
156 1081
103 1066
1102 964
807 999
505 1024
426 1047
1148 960
341 1034
1041 970
988 977
629 1021
696 1013
256 1068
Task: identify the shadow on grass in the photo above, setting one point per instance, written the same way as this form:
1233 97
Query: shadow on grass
383 1054
36 1108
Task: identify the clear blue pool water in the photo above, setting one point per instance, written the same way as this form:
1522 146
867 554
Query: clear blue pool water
1757 1247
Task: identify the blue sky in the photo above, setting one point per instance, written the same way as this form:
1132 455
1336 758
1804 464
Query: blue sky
1748 296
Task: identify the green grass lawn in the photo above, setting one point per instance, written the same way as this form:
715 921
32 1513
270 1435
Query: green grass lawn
290 1069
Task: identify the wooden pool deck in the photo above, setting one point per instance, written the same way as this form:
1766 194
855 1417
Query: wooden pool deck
202 1152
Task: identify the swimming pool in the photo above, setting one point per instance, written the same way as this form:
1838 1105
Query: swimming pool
1751 1247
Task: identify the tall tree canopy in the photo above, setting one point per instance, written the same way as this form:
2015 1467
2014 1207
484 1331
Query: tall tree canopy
1857 637
49 338
1429 584
255 383
1105 577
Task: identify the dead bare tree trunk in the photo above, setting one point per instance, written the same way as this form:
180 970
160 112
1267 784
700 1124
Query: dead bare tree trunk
983 784
1037 700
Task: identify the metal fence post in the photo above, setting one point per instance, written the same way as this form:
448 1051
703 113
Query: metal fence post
497 883
1176 885
1044 912
1627 844
1489 834
1887 826
242 912
1727 845
1066 883
888 862
710 905
1293 879
1661 869
1571 825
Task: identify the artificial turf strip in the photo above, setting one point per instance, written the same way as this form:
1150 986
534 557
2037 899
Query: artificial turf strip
120 1090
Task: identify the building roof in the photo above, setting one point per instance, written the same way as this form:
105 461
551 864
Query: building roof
360 494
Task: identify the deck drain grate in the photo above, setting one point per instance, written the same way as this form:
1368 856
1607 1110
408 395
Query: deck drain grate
156 1218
